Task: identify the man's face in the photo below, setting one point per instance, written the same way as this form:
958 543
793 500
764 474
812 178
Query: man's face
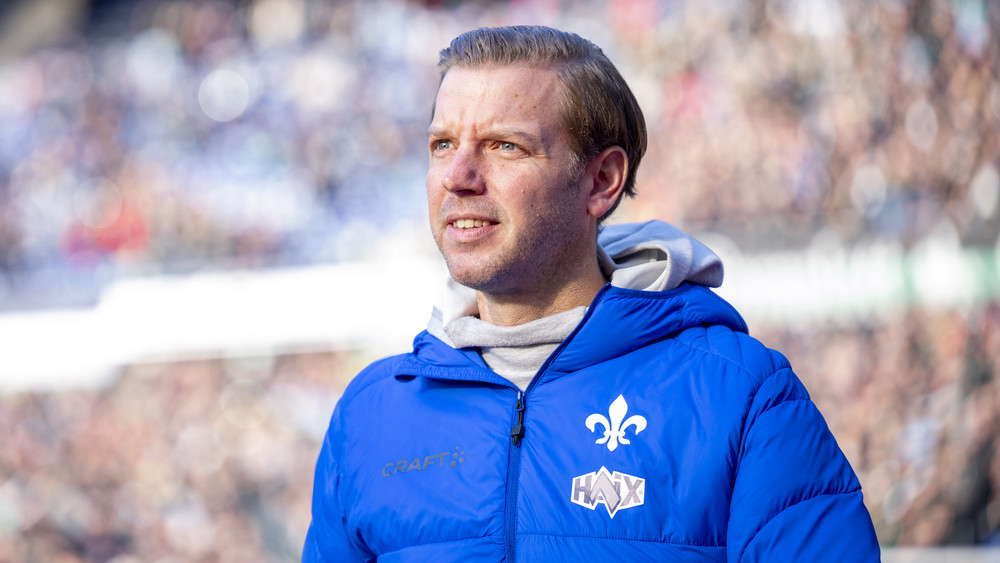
508 203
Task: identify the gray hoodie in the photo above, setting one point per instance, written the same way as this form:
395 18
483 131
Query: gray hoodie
651 256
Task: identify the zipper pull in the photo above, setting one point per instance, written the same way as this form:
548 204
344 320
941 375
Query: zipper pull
517 431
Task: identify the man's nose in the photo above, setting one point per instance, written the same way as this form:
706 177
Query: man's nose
464 173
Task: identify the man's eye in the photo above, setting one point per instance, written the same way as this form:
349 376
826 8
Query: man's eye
441 145
508 146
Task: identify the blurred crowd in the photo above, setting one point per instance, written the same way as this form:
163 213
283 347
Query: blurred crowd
199 461
201 135
187 135
773 120
181 135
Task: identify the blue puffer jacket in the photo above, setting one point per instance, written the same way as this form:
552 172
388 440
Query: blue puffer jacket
658 431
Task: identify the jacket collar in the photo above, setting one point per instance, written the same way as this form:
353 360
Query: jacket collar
618 321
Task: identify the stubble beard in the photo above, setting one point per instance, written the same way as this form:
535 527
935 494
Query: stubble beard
537 256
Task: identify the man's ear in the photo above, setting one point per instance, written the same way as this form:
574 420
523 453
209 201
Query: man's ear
608 171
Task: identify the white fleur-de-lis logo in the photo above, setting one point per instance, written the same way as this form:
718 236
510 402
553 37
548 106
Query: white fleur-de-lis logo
614 431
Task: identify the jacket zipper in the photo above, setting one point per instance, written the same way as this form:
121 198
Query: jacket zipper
513 468
517 431
517 434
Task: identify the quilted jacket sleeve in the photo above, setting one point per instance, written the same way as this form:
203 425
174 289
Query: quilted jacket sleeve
795 496
327 540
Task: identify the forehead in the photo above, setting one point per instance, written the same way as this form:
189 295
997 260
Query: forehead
499 95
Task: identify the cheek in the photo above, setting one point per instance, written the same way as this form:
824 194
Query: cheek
433 205
433 186
436 172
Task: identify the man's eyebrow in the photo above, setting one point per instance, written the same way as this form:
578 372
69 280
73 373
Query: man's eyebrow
497 132
513 132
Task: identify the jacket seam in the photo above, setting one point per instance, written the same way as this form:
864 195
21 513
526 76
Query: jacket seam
784 402
710 351
605 537
790 506
749 375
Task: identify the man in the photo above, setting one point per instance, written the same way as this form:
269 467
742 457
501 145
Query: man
575 397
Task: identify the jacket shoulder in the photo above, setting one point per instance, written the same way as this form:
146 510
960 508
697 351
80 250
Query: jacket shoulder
375 372
744 352
794 488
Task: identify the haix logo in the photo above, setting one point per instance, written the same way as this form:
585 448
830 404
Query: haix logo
614 429
617 491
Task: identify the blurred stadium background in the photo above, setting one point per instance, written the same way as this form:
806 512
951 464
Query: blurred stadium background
212 215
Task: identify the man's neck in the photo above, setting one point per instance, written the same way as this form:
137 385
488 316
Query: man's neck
527 306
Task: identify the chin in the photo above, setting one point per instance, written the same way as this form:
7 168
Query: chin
486 273
477 282
472 276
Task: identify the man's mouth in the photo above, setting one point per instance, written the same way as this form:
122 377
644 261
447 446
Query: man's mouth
471 223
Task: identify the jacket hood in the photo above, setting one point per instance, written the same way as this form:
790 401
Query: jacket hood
655 256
